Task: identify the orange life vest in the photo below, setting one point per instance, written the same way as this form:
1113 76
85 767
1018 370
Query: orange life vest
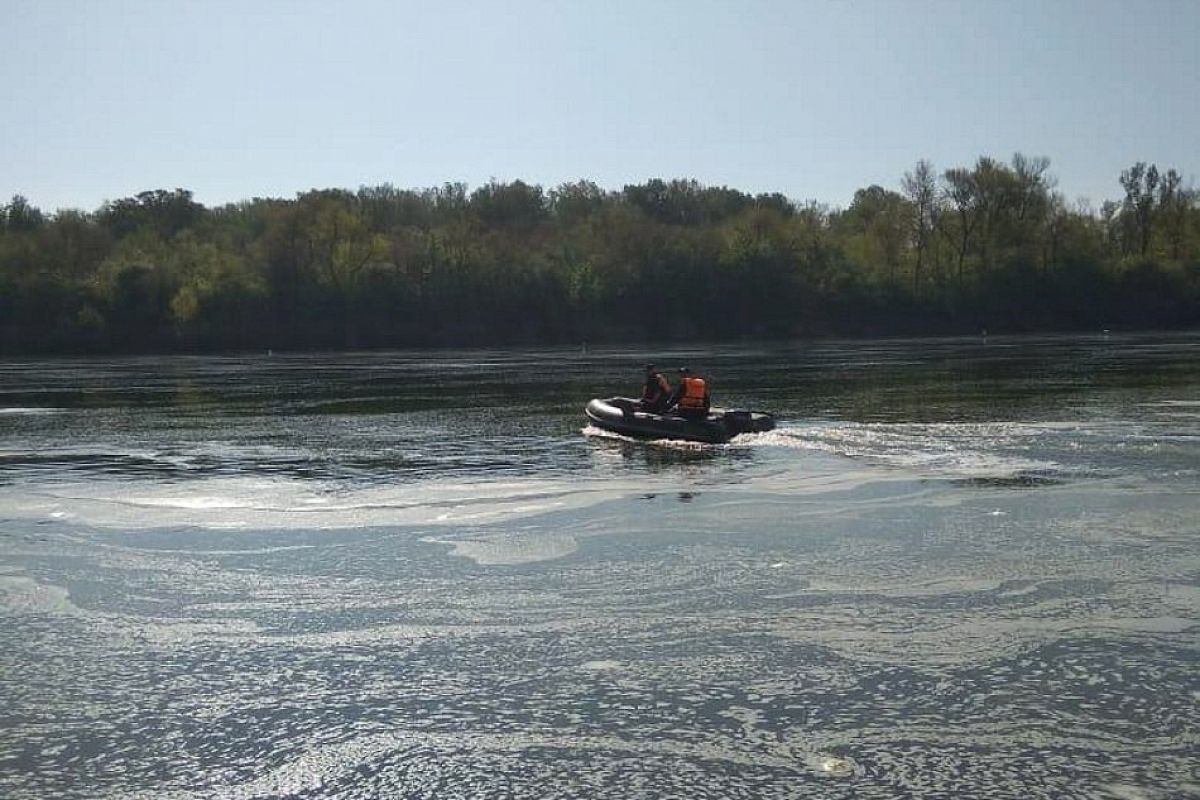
695 395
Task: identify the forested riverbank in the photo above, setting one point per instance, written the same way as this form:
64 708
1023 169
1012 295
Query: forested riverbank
993 246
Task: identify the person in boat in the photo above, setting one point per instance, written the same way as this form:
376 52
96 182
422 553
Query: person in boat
691 399
656 392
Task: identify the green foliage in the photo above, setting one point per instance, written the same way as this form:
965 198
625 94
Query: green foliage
573 203
165 213
515 205
992 245
19 217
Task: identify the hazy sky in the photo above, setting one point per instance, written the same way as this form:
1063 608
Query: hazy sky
103 99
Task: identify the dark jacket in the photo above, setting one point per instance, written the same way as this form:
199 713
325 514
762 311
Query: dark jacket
656 392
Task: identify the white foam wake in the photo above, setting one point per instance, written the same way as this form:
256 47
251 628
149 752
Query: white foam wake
967 450
233 503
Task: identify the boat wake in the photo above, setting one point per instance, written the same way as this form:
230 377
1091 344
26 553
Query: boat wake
274 504
945 450
26 411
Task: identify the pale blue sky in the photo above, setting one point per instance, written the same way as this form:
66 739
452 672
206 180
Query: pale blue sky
102 99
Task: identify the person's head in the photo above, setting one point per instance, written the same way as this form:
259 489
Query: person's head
649 369
684 371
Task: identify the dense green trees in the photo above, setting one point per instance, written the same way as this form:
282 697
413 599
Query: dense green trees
993 245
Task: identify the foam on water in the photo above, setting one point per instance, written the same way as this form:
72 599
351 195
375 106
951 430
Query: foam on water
23 595
948 654
836 609
136 500
842 457
511 548
222 502
998 451
941 450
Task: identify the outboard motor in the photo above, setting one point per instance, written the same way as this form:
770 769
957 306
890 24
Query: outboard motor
740 421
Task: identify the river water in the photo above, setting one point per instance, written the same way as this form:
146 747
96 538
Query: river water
958 568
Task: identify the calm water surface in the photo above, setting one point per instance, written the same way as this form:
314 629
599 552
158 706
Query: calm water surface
958 568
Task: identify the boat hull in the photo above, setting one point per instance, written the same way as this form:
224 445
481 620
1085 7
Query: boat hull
621 415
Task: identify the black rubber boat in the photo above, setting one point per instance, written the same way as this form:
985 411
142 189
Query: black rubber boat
621 415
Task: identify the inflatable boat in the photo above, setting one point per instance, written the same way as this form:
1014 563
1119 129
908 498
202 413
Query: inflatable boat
622 415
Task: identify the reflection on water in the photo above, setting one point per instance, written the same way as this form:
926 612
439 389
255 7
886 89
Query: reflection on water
956 569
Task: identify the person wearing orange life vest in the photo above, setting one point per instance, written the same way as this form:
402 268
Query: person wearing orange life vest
691 398
656 392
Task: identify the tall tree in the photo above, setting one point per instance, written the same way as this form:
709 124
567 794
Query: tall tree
1140 184
920 187
962 192
1174 201
881 217
20 217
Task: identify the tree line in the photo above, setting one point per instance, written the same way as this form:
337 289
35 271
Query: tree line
993 246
